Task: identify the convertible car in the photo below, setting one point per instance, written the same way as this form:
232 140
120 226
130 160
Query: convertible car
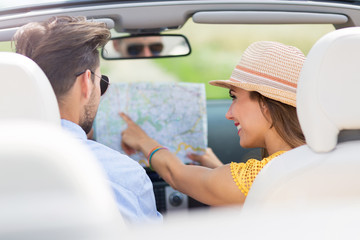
187 41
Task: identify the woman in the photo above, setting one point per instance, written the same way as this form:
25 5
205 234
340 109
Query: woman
263 89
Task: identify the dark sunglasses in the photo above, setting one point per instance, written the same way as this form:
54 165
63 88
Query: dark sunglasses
104 83
136 49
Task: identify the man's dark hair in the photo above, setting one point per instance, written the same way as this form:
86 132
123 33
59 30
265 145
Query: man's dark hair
62 47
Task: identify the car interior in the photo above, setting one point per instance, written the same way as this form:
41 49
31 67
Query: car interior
314 186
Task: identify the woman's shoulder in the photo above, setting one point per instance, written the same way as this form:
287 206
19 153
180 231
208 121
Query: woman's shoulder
244 173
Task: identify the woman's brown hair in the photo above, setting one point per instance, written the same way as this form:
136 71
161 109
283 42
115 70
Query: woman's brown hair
283 118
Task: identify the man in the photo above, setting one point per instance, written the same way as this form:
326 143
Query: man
66 49
139 47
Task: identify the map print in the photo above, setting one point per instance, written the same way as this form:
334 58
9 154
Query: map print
174 114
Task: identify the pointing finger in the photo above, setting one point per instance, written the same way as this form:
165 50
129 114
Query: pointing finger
125 117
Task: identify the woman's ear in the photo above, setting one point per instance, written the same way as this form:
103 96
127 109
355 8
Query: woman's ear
263 105
265 111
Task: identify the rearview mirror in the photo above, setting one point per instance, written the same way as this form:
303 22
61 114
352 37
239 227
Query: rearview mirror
146 46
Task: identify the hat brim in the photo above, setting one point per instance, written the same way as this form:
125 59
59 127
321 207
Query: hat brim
273 93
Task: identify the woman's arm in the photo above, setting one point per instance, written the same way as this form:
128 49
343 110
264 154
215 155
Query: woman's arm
210 186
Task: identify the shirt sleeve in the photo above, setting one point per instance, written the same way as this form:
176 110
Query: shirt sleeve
244 174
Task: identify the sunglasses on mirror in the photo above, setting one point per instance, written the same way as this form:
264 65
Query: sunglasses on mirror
104 81
137 49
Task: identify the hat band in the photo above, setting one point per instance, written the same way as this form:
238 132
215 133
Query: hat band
256 81
264 75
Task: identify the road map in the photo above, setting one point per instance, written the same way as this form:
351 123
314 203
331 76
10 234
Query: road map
174 114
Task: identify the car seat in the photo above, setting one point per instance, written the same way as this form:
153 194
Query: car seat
25 91
51 186
325 172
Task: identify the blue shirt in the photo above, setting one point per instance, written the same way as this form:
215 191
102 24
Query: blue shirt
132 187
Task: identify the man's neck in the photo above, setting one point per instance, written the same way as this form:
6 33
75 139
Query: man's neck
69 114
69 107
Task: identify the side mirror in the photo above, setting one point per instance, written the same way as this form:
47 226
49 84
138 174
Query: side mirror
146 46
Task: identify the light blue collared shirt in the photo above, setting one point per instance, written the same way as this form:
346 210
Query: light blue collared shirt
132 187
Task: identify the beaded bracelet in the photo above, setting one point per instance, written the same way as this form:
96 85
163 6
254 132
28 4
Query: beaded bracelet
151 153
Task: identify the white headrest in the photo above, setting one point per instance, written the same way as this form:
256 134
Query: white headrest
51 186
328 90
25 91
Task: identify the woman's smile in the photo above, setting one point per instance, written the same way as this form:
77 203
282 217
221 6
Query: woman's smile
238 127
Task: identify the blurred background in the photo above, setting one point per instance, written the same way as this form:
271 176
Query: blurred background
216 49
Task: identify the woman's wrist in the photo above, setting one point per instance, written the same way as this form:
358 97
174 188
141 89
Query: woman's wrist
147 144
153 152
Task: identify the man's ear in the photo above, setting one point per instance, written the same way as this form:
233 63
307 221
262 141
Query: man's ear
86 85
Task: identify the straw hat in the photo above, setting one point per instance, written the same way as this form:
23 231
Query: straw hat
270 68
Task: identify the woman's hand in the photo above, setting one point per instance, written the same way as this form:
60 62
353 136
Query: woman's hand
133 138
209 159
